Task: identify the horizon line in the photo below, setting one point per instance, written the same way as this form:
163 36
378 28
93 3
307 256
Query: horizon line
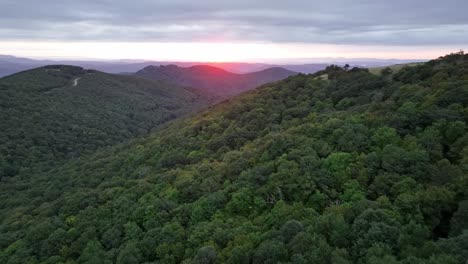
290 61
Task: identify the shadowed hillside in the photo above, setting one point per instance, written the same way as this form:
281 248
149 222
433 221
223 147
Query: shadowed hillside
212 80
57 112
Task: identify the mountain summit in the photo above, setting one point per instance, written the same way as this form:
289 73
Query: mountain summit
212 80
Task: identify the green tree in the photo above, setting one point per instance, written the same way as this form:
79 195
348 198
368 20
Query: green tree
459 221
129 254
205 255
94 253
271 251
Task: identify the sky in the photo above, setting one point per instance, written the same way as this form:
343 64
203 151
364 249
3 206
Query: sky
240 30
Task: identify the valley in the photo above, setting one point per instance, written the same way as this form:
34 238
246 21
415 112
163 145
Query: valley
54 113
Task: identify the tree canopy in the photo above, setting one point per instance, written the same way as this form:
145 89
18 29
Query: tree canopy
54 113
354 168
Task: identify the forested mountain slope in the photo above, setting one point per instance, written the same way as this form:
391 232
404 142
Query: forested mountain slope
53 113
354 169
212 80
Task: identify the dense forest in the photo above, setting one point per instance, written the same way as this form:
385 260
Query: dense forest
342 166
54 113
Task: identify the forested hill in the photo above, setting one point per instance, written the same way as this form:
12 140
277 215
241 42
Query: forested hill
212 80
352 168
53 113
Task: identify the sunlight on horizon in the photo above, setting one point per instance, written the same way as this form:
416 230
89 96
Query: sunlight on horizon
215 52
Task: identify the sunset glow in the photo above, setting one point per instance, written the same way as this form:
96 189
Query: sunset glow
214 52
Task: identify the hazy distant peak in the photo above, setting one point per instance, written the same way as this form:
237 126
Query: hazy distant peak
276 69
213 80
173 67
206 68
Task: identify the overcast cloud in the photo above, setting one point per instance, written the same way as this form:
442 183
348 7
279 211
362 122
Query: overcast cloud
396 22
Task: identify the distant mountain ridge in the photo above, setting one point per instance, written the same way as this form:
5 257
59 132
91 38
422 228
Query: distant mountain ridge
213 80
11 64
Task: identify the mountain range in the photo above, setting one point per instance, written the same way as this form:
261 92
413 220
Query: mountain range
70 111
340 166
11 64
212 80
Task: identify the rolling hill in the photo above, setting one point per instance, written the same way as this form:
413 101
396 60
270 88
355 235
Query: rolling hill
57 112
212 80
355 168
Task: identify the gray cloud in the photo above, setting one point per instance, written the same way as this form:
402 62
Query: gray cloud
397 22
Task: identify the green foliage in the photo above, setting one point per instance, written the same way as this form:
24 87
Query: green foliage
94 254
287 173
46 119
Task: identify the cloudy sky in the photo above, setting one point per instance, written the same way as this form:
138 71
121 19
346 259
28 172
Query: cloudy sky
232 30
